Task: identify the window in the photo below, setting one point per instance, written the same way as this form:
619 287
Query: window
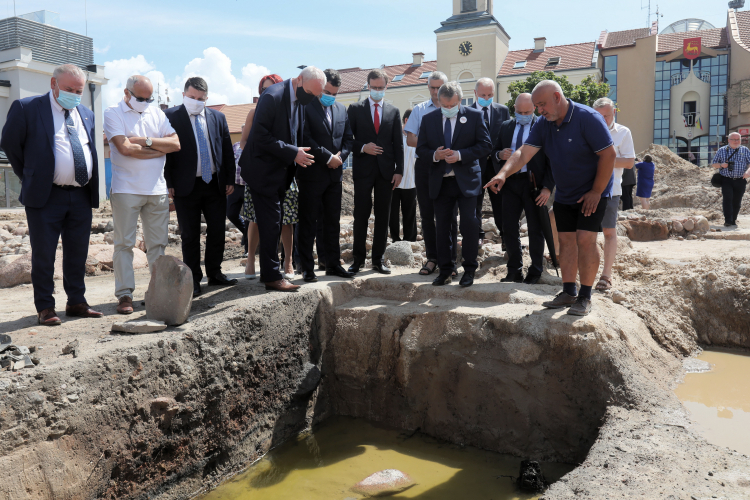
610 75
425 74
519 65
398 78
553 61
467 101
468 5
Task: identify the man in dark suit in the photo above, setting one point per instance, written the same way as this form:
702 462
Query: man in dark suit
329 137
455 138
199 177
49 140
519 194
269 160
494 115
377 167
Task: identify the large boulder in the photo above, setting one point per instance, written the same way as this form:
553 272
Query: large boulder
383 483
105 255
18 271
646 230
400 253
170 291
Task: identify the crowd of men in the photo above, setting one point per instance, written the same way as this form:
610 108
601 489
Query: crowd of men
440 157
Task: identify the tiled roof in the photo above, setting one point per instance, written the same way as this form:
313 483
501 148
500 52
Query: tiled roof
743 26
714 38
354 79
624 38
236 115
573 56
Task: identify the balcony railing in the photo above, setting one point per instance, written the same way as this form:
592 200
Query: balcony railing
679 77
47 43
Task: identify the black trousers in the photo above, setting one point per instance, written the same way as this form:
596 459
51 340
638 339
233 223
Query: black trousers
209 200
313 220
234 207
427 214
268 213
67 213
365 189
445 214
405 202
627 197
732 191
517 197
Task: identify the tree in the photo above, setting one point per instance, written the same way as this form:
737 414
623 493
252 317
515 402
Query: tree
588 91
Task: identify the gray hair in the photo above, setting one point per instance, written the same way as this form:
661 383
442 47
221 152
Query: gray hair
313 73
68 69
735 133
130 85
484 82
437 75
602 102
449 90
545 84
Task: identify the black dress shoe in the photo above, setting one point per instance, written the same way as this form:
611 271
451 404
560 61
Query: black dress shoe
467 279
221 280
442 279
381 268
196 290
309 277
355 267
531 280
338 271
513 278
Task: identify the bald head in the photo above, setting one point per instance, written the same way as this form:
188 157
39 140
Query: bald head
524 105
549 99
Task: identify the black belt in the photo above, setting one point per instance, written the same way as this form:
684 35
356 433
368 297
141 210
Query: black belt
68 187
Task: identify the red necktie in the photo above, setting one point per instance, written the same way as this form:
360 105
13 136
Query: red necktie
377 119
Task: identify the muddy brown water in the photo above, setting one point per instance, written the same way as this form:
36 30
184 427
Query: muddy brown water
719 400
342 451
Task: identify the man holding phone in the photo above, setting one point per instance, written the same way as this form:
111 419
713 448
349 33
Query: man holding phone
732 161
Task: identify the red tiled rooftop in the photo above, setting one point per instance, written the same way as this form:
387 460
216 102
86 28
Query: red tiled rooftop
354 79
714 38
624 38
743 25
573 56
236 114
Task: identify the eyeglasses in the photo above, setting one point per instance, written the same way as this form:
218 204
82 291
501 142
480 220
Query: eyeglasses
141 99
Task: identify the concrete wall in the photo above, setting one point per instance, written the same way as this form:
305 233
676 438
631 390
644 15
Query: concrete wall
401 97
738 91
636 66
691 89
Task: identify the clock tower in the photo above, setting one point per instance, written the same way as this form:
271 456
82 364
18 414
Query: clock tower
471 44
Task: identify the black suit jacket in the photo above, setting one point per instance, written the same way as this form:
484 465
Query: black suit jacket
539 164
498 115
181 167
325 140
389 137
29 142
267 162
470 138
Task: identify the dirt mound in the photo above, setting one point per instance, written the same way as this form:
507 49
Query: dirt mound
673 171
347 196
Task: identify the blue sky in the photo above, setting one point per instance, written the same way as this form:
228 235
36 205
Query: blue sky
234 42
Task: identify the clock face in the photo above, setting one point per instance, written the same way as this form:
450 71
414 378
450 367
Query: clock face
465 48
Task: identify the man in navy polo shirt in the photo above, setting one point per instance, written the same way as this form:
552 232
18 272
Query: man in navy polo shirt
577 142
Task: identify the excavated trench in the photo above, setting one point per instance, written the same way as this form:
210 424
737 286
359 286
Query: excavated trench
485 366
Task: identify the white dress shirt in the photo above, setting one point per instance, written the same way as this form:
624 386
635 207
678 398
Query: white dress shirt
623 141
453 120
65 170
204 123
410 157
372 113
526 130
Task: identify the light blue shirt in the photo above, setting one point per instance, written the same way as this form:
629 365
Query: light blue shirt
526 131
415 118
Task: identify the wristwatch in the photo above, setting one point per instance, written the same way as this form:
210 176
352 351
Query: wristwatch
149 142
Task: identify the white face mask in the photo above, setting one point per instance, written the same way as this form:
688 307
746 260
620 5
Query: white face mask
612 125
193 106
140 107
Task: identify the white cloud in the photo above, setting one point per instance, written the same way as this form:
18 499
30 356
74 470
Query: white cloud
215 67
101 50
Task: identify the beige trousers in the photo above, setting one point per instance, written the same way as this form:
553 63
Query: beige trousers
154 213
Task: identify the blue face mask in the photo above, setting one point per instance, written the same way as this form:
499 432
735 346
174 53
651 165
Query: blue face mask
377 95
485 103
524 119
450 112
68 100
327 100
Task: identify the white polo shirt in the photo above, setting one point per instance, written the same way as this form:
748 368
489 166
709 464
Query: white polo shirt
131 175
624 148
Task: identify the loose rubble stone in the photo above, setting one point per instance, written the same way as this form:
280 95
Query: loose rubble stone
646 230
71 348
400 253
677 226
384 482
618 297
170 291
689 225
138 326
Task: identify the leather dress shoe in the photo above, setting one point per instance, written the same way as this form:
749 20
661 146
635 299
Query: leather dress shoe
467 279
513 278
221 280
531 279
381 268
125 305
355 267
281 286
197 290
48 317
442 279
309 276
338 271
82 311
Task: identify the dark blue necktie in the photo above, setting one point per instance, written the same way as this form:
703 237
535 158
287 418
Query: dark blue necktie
519 139
295 122
447 139
486 118
79 158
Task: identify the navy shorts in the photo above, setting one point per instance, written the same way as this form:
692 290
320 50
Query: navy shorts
570 219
